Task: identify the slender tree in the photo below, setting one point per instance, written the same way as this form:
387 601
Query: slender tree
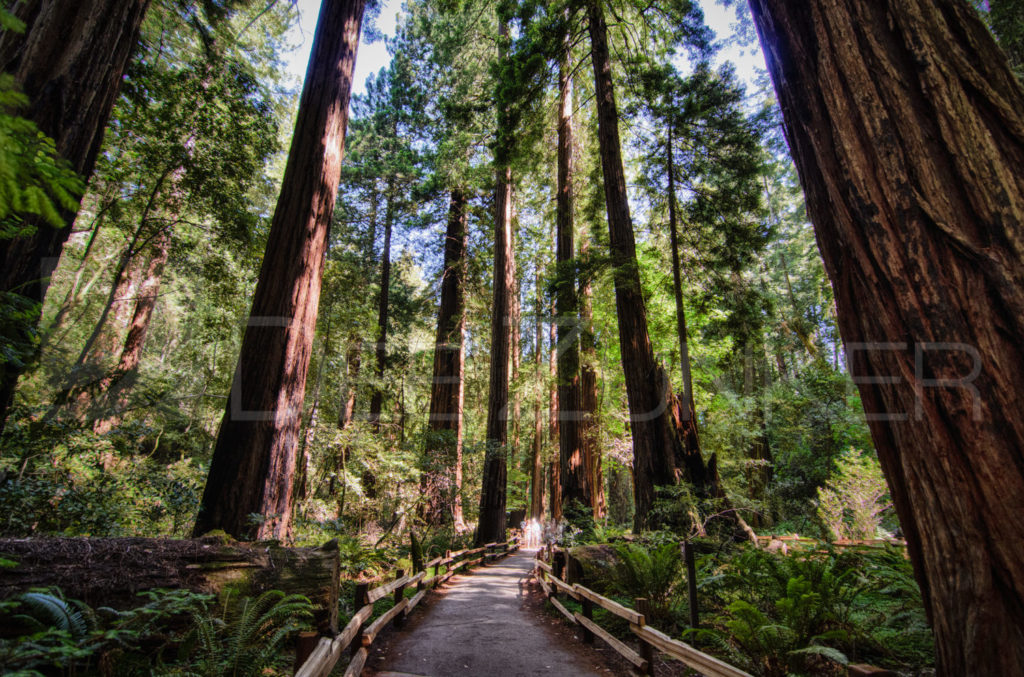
907 129
591 432
381 351
573 471
69 63
537 451
116 385
254 458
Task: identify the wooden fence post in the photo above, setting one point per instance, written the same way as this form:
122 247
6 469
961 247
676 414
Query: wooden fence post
399 594
588 612
359 601
646 650
691 579
305 643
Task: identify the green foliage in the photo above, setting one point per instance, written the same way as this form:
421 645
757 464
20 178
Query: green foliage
34 179
249 643
653 573
173 633
853 500
804 612
73 482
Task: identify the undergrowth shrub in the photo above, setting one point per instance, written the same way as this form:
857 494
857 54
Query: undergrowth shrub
653 573
811 612
176 632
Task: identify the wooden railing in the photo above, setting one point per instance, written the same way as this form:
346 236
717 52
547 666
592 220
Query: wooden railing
650 639
318 657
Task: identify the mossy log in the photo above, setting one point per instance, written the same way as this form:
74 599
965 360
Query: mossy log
112 571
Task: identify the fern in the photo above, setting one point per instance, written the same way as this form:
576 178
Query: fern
47 609
248 643
652 573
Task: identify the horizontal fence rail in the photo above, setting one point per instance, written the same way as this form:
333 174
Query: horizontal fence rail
359 636
650 639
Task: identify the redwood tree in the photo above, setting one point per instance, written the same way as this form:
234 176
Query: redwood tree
493 492
442 480
573 470
69 63
491 526
254 458
906 125
655 443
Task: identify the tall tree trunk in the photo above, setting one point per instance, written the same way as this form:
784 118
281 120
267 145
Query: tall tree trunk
515 351
377 399
115 387
254 459
495 478
537 465
493 492
442 479
653 452
572 468
589 400
690 458
656 415
69 63
907 128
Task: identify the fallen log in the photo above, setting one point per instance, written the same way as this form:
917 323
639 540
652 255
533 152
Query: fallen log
112 571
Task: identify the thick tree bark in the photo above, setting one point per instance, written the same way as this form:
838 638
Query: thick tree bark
383 300
69 62
115 387
254 458
442 478
907 129
493 492
572 468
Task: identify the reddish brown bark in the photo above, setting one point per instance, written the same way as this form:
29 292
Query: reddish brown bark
116 386
69 62
442 478
537 454
572 468
254 458
906 126
493 492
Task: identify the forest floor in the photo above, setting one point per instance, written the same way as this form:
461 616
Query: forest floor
490 622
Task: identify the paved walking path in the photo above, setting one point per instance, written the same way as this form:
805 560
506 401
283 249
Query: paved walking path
481 625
